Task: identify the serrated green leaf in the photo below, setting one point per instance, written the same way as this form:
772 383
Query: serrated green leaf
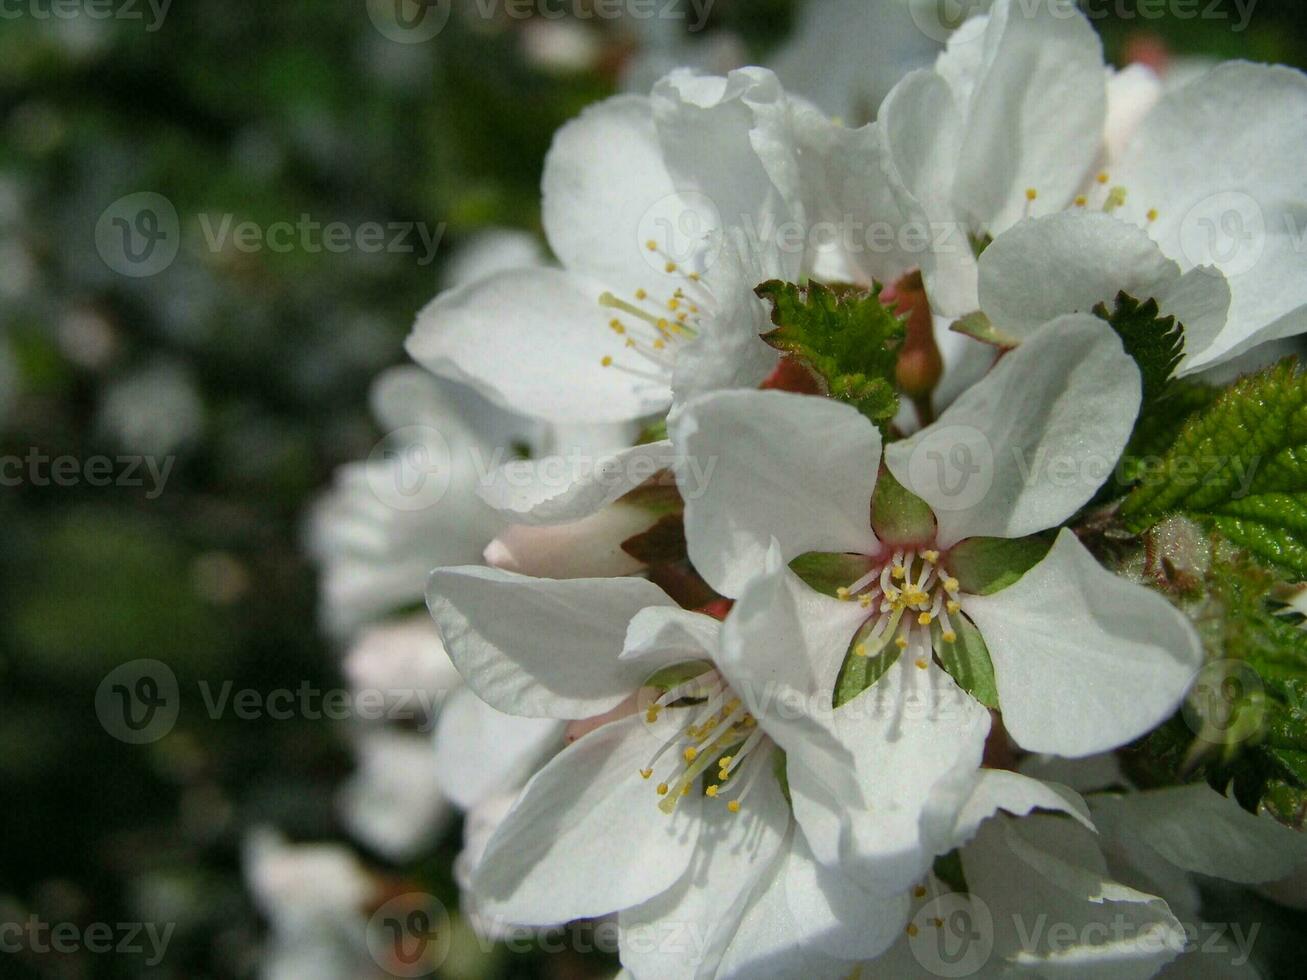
846 336
1155 342
983 566
967 660
828 573
899 516
1239 466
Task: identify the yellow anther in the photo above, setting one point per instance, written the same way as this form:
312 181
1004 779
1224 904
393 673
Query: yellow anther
641 294
1103 177
1152 214
664 325
898 571
950 636
864 601
1031 194
651 245
1082 201
842 593
607 361
901 642
630 342
670 267
673 305
860 650
616 326
646 773
712 790
662 789
919 891
725 761
937 922
659 344
924 619
685 790
1115 199
931 556
691 754
682 317
953 606
733 806
951 584
912 929
694 277
922 665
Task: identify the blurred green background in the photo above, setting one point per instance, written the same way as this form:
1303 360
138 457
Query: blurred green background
252 370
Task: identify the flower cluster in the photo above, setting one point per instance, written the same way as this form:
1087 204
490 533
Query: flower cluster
766 662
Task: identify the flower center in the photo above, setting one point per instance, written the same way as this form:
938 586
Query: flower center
655 327
713 731
909 597
1102 194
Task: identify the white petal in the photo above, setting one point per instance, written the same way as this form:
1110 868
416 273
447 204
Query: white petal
1085 660
586 838
482 752
1197 829
533 341
588 548
911 729
666 635
1046 869
607 191
811 921
404 661
761 465
1029 445
1132 93
1036 114
561 489
539 647
968 797
683 932
1220 160
490 251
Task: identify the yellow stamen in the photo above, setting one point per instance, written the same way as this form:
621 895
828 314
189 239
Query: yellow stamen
1103 178
662 789
1082 201
607 361
733 806
950 636
1031 194
924 619
860 650
922 665
691 754
1152 214
712 790
912 929
651 245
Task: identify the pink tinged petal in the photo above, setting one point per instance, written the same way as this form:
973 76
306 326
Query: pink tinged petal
540 647
482 752
1036 114
534 342
588 548
761 465
1047 866
607 192
683 932
1220 162
1085 660
1201 831
1031 444
586 838
561 489
1132 93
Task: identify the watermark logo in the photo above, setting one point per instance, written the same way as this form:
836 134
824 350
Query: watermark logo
938 19
409 21
410 469
138 235
1226 230
1227 703
952 935
954 464
138 702
683 228
152 12
410 936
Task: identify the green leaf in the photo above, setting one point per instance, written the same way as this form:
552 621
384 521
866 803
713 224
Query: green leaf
983 566
844 335
967 660
1155 342
861 671
1239 467
899 516
828 573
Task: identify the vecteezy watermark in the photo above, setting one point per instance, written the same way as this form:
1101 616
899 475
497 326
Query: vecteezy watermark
39 469
1227 703
1225 232
140 235
938 19
152 12
410 935
140 702
952 935
410 470
34 935
418 21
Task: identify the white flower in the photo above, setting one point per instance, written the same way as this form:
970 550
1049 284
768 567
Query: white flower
618 822
665 212
1020 120
1083 660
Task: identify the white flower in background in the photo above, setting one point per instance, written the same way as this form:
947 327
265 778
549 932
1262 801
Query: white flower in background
1083 661
316 898
1021 119
665 212
154 411
617 822
393 802
846 55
